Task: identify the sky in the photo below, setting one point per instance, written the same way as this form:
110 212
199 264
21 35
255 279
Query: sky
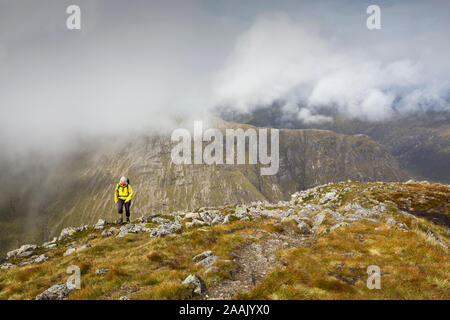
142 65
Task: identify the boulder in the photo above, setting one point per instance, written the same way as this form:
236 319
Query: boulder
133 228
191 215
329 196
67 232
72 250
241 211
436 238
303 227
218 219
102 271
165 229
202 256
318 220
50 244
160 220
226 219
339 225
205 217
395 224
110 232
194 282
41 258
195 222
23 252
100 225
56 292
7 266
205 259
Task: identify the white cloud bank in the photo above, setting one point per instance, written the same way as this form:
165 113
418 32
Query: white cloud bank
139 65
279 58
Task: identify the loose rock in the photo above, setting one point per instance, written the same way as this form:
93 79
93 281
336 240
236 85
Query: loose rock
197 284
100 224
165 229
72 250
56 292
102 271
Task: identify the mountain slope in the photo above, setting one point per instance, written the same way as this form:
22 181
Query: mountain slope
420 141
318 245
83 184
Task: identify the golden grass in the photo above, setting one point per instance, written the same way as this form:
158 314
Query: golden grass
155 266
410 269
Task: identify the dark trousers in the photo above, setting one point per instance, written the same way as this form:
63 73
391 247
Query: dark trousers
121 203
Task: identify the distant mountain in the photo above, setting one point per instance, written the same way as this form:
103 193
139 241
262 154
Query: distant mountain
41 200
420 141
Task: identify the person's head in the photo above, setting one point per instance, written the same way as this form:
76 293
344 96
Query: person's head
123 181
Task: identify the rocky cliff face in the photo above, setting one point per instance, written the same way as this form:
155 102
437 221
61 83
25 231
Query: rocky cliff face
307 158
419 141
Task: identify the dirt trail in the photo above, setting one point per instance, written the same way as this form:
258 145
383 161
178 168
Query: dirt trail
254 261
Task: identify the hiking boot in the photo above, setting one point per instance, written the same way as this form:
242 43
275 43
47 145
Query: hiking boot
120 221
128 220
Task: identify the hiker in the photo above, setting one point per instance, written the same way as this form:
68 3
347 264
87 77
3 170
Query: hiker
122 196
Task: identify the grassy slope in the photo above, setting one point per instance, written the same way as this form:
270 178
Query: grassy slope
413 265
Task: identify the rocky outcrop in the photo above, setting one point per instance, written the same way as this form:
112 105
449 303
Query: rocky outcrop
204 259
100 224
23 252
67 232
431 235
102 271
56 292
35 259
194 282
75 249
132 228
165 229
7 266
110 232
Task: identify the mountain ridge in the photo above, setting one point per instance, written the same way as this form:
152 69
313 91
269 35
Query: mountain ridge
419 140
317 245
84 184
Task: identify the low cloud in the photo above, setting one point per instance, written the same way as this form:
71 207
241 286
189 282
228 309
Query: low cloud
139 66
282 59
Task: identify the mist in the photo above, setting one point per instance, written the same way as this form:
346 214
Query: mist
141 66
309 67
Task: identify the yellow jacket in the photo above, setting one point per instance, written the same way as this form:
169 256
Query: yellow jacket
124 193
